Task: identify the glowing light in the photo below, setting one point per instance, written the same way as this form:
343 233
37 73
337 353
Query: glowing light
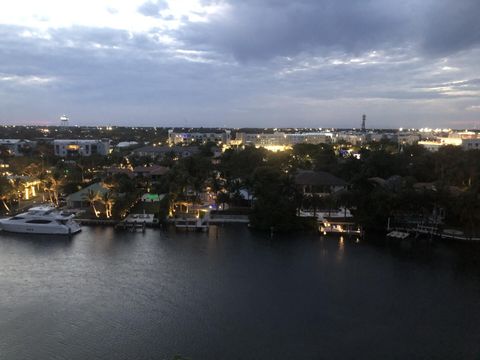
274 148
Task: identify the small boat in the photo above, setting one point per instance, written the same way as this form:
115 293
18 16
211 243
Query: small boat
336 221
43 219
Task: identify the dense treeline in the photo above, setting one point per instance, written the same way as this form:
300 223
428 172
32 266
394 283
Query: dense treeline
384 180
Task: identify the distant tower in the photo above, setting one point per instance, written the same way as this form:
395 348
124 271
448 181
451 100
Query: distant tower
64 120
364 120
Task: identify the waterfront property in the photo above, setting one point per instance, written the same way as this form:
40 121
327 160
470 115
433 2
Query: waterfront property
319 183
80 199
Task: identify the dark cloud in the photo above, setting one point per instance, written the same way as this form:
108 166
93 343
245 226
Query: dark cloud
451 26
261 30
153 8
265 29
261 63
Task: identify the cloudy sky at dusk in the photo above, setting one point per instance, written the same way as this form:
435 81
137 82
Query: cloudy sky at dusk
239 63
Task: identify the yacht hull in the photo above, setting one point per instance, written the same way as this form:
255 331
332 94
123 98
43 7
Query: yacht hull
39 229
42 219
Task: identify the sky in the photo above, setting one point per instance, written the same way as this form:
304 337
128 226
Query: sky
241 63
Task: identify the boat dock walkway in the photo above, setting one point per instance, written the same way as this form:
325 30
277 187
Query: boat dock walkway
429 230
96 221
131 226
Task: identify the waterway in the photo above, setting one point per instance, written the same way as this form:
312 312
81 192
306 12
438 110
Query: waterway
235 294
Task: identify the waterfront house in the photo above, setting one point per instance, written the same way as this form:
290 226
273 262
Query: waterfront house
79 199
319 183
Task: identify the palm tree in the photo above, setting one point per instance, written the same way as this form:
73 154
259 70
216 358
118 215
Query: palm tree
6 192
52 184
19 188
92 197
33 170
108 201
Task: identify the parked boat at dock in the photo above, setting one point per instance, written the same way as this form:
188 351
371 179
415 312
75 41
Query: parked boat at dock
43 219
337 221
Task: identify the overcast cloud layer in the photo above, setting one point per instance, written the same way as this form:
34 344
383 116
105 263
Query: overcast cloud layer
270 63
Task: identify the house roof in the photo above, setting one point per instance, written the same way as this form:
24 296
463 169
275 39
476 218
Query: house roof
82 194
318 178
118 170
151 170
166 149
125 144
377 181
159 170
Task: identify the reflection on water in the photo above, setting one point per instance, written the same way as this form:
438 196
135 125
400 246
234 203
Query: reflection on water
232 293
38 242
341 248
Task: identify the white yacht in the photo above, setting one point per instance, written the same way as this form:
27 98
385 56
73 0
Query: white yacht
43 219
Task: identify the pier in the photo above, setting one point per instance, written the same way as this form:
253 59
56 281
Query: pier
131 226
402 231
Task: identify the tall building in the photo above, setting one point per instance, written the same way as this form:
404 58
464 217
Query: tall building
364 120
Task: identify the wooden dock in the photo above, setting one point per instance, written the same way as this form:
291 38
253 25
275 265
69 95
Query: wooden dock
432 231
97 222
131 226
191 224
339 225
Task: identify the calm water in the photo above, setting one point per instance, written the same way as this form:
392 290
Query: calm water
111 295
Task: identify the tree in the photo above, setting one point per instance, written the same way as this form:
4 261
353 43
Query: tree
92 197
467 207
6 192
241 164
33 170
52 184
275 198
108 201
222 198
190 172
